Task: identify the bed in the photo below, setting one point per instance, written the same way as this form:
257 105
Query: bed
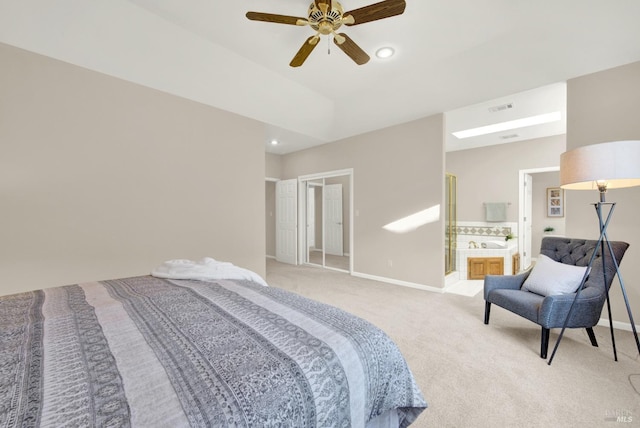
177 350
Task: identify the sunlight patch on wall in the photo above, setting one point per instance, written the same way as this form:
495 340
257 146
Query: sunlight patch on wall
414 221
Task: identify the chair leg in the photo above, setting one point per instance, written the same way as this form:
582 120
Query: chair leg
487 310
544 343
592 337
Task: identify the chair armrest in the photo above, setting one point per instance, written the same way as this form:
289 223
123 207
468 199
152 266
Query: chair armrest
511 282
586 311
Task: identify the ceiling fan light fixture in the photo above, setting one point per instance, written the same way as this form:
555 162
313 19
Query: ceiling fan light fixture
326 17
385 52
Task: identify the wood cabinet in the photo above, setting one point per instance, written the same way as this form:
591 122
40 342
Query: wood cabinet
515 264
478 267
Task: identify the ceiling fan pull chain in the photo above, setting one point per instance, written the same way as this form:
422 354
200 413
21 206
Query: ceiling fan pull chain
328 46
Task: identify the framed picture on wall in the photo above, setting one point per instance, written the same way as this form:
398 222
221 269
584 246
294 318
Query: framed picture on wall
555 202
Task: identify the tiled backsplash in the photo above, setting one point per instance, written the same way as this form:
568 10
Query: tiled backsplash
480 231
485 229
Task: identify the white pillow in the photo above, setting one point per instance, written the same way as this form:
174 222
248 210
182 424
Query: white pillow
549 277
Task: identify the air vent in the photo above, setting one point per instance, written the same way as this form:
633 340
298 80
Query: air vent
509 137
501 107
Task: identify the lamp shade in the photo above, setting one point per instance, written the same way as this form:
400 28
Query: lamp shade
615 164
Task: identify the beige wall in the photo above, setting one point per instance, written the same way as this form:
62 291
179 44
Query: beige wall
273 168
490 174
100 178
398 171
605 107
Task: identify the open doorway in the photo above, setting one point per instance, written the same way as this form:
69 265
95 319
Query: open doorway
534 223
325 223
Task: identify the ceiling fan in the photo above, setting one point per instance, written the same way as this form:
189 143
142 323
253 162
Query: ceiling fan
326 17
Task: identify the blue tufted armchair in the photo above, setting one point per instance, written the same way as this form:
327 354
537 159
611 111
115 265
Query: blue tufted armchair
551 311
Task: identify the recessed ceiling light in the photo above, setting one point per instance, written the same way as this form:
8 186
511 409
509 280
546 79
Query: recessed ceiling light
274 142
385 52
512 124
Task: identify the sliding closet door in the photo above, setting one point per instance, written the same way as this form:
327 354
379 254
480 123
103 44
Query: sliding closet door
329 244
333 227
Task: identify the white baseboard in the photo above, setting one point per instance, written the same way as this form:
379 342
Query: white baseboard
398 282
617 324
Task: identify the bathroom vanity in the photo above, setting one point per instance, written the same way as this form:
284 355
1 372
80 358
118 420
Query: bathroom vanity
475 263
478 267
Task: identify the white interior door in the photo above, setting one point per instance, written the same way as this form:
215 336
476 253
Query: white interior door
527 220
286 221
311 217
332 205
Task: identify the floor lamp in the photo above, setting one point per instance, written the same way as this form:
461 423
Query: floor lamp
601 167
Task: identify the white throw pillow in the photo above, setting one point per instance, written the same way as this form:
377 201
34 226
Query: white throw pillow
549 277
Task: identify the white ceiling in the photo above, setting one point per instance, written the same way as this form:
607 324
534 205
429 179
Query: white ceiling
455 56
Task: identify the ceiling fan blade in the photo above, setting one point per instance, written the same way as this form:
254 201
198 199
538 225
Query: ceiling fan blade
304 52
354 51
278 19
373 12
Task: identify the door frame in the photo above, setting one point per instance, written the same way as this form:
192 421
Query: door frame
272 214
310 207
302 211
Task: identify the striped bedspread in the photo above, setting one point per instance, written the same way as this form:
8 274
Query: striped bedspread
154 352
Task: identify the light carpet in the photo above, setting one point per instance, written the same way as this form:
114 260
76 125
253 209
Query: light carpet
476 375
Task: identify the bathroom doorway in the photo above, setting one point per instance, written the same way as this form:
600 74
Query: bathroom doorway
532 219
325 220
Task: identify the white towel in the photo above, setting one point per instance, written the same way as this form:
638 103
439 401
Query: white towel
203 270
495 211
